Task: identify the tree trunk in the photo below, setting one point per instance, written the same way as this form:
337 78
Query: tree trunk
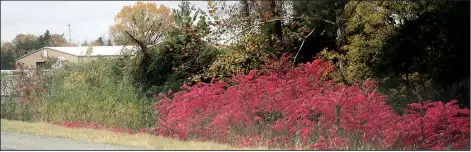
141 74
246 11
277 31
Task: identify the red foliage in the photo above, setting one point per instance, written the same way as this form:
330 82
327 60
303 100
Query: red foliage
437 126
301 106
31 83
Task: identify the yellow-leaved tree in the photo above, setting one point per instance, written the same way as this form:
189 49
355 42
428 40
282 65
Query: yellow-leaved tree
141 24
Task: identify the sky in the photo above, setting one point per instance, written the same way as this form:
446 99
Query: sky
88 19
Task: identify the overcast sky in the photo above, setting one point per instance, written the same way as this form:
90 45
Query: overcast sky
89 19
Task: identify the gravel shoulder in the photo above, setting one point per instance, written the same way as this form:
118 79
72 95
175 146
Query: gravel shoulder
18 135
18 141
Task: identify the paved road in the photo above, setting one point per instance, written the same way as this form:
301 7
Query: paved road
17 141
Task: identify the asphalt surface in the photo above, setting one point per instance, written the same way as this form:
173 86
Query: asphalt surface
18 141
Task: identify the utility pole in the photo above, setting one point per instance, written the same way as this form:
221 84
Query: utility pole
70 38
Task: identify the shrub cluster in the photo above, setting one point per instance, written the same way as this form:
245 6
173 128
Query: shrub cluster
23 92
94 92
302 108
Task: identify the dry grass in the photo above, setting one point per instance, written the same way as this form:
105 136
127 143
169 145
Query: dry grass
108 137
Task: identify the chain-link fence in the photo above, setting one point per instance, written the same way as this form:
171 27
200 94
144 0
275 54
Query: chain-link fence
10 79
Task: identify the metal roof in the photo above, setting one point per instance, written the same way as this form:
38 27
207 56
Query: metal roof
96 50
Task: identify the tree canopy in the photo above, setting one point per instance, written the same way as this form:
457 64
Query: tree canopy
143 22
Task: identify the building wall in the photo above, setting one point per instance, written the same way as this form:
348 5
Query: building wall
88 58
30 60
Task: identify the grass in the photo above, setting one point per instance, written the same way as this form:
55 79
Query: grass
107 137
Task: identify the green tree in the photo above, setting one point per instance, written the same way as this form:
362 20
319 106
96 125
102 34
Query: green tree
85 43
405 44
89 50
366 32
45 40
255 29
109 43
98 42
25 43
7 57
191 53
58 40
359 32
183 55
429 56
325 20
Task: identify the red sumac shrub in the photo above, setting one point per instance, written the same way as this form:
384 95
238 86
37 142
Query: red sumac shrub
436 126
302 107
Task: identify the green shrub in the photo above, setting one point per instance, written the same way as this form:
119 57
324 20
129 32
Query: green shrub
11 109
239 58
98 91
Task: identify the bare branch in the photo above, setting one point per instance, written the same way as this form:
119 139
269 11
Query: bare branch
157 36
149 30
139 43
299 50
273 20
